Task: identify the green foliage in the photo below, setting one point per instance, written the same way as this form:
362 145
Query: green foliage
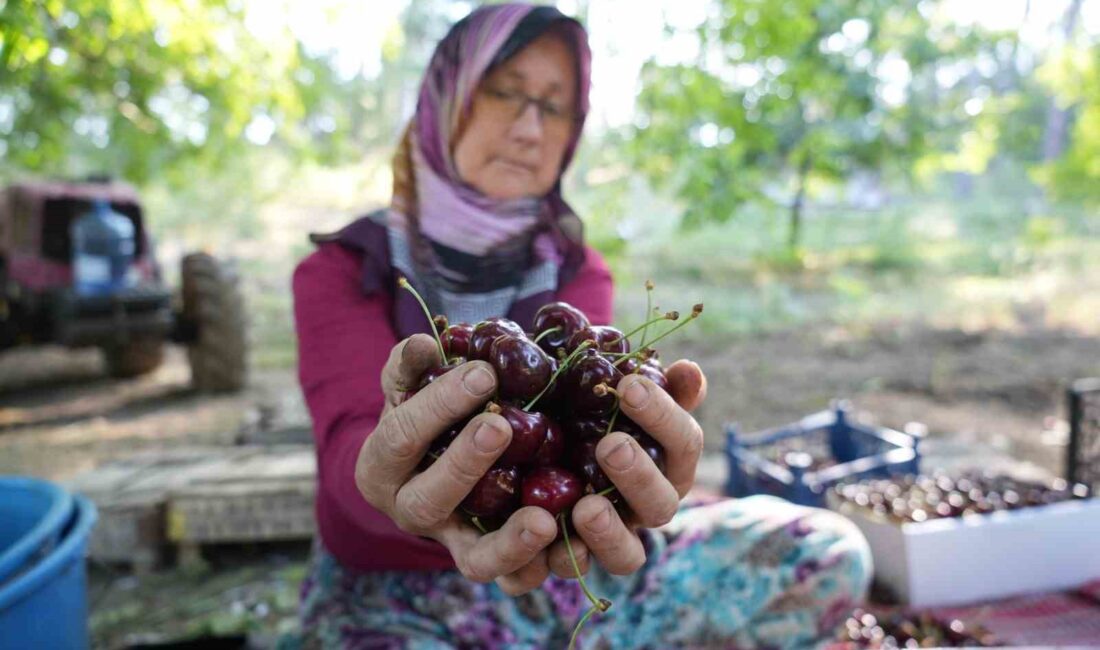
787 96
143 89
1074 78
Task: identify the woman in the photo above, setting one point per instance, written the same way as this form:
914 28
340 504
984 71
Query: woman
478 224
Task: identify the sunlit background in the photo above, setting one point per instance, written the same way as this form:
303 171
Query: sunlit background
896 201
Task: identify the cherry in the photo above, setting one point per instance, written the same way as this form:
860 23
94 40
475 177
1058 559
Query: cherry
651 447
583 461
529 432
444 440
441 443
629 365
607 339
523 369
553 445
456 340
485 332
551 488
652 369
585 428
591 370
561 315
435 373
495 494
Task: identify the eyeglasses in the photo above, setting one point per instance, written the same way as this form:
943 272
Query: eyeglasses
556 119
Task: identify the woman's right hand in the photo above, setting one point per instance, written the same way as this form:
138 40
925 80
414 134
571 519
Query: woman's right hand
425 503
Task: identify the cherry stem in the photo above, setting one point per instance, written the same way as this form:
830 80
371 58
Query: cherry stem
480 526
695 311
672 315
543 334
561 368
602 390
648 309
404 284
614 415
584 619
606 491
596 602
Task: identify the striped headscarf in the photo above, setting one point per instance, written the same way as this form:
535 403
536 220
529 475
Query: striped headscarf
459 241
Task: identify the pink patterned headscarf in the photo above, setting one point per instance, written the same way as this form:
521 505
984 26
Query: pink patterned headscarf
459 239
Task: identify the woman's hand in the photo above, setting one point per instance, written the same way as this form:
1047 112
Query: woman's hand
425 503
653 497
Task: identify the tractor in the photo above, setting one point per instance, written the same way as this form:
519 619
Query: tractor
59 285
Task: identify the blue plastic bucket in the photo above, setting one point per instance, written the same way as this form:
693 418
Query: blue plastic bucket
32 515
47 607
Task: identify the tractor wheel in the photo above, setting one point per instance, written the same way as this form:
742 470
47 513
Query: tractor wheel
134 358
213 305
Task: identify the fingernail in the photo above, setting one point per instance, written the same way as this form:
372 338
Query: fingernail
601 522
637 395
478 381
621 457
531 538
488 438
405 350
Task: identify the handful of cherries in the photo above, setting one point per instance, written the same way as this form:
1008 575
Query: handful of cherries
556 389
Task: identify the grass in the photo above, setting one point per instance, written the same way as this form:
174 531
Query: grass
253 596
953 264
982 262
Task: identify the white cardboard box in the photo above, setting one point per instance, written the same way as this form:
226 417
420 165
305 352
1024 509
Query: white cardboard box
975 558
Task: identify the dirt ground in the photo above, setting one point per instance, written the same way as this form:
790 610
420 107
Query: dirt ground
989 398
995 393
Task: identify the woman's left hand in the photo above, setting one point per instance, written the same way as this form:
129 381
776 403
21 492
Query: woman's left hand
652 496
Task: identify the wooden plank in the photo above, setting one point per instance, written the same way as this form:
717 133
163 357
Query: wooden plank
200 495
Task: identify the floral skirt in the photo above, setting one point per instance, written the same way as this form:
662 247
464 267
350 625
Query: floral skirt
757 572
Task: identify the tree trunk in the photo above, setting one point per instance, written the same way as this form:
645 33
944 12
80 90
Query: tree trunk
795 235
1054 140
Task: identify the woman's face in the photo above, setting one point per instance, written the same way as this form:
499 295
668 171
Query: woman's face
521 122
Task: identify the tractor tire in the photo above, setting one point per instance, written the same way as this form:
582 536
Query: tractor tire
213 305
135 358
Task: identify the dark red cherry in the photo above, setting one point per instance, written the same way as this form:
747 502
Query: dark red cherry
654 372
627 426
435 373
456 340
583 461
495 494
522 368
585 427
651 447
486 332
551 488
558 314
607 339
528 435
629 366
590 371
441 443
553 445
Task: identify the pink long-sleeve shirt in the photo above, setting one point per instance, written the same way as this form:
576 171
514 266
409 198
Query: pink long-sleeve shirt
344 339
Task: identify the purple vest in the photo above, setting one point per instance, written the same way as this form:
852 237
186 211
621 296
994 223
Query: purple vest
368 235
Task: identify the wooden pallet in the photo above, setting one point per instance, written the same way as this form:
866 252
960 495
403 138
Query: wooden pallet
198 495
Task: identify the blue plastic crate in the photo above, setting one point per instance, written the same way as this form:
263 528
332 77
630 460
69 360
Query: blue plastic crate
800 461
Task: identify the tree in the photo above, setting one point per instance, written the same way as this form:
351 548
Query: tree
785 94
148 89
1074 78
1054 141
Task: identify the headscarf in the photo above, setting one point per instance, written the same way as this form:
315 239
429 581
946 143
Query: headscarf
460 241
